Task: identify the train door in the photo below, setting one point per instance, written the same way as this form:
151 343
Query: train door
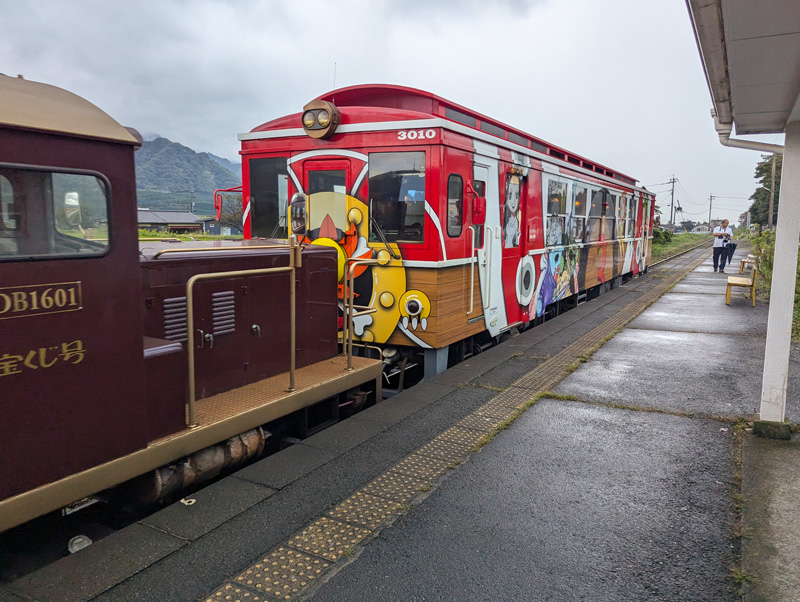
513 216
490 255
221 343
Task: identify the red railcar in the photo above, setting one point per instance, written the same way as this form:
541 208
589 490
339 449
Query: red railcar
116 360
467 227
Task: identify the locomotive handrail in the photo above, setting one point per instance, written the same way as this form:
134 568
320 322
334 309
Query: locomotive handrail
294 262
202 250
347 336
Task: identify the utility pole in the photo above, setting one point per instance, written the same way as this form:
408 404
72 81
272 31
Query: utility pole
710 199
771 194
672 203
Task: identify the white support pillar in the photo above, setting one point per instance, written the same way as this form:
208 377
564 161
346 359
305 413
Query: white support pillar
784 272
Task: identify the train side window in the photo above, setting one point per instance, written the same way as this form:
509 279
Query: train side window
630 229
397 196
480 190
600 224
622 215
46 214
269 197
455 205
611 214
556 211
577 229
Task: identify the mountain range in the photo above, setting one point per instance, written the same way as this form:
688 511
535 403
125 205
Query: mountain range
170 175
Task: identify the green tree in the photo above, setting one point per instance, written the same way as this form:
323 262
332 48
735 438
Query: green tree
232 212
759 210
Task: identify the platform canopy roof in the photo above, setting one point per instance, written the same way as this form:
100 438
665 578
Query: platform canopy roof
751 55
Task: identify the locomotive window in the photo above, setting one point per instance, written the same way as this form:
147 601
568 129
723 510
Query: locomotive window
556 211
455 204
9 216
397 196
269 197
47 214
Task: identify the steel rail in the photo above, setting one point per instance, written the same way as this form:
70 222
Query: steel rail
671 257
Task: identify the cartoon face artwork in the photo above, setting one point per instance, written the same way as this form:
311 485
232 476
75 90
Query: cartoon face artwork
511 225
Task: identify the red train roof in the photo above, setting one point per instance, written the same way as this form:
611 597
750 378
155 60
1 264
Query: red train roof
403 100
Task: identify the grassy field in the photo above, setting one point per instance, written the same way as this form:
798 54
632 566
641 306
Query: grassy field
152 234
679 242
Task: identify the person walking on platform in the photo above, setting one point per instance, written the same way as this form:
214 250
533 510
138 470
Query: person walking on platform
722 236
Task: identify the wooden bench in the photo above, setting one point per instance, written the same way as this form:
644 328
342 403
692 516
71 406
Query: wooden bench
745 281
749 261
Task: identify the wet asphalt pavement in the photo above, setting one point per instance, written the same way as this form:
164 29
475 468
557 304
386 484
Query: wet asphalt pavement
572 502
578 500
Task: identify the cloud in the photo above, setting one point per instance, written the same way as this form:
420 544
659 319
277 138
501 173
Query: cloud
619 81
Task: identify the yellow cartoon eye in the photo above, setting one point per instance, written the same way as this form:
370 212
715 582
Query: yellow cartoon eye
415 307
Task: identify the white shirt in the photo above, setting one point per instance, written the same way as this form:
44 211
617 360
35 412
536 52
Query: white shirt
720 241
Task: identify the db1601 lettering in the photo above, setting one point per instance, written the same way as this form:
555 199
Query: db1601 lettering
39 299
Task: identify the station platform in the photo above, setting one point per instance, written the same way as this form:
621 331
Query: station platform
603 455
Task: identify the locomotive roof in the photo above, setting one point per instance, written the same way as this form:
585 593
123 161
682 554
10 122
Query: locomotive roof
411 99
33 105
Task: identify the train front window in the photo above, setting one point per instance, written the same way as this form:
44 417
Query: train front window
327 181
47 214
269 197
397 196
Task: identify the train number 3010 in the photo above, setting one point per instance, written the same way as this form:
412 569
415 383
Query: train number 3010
416 134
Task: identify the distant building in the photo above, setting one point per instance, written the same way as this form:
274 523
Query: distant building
212 226
701 230
176 222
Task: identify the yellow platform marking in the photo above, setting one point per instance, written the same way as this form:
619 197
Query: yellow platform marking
286 573
422 467
233 593
327 538
365 510
396 486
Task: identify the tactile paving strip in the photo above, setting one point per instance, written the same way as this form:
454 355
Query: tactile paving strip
482 423
327 538
285 573
396 486
422 467
366 510
233 593
282 574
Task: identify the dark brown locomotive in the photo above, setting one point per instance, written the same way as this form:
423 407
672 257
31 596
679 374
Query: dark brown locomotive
115 361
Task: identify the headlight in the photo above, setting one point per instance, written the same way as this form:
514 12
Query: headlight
320 119
309 119
323 118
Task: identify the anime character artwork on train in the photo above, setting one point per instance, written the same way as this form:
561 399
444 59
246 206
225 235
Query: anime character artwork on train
458 228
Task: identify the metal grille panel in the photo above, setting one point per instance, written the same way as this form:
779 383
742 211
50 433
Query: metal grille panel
223 313
175 319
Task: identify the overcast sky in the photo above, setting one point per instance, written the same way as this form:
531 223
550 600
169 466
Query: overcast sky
618 81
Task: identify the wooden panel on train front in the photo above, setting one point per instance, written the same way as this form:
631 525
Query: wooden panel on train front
448 290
